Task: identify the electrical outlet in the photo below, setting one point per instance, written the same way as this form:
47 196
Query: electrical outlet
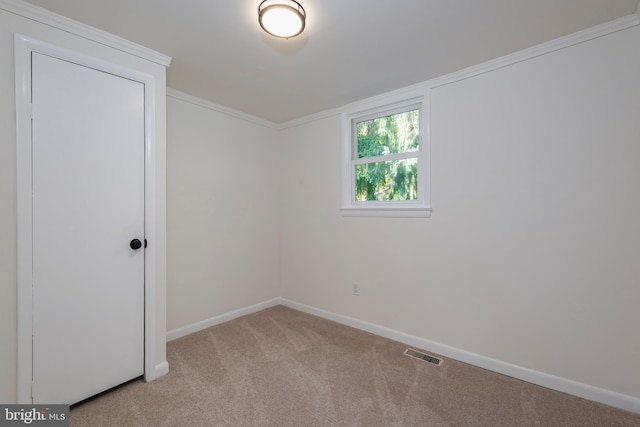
356 289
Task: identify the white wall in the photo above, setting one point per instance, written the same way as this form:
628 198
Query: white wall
531 255
11 23
8 325
223 213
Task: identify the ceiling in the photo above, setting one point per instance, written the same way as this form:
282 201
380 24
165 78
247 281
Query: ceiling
350 50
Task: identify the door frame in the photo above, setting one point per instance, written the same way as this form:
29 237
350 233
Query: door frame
23 47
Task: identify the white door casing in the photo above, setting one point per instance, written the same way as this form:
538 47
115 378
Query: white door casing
24 47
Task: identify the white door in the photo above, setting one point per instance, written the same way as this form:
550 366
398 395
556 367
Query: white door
88 205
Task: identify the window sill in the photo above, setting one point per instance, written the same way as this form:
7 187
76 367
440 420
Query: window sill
387 212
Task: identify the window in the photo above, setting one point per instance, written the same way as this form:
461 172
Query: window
385 166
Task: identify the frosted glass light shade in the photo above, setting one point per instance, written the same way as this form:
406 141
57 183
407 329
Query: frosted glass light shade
281 18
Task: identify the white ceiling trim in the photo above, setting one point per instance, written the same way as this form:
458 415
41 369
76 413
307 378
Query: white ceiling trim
60 22
523 55
420 89
539 50
173 93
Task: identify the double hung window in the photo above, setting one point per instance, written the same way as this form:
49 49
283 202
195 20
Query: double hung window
385 162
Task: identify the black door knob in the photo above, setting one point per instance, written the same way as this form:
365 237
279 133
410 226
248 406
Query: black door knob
135 244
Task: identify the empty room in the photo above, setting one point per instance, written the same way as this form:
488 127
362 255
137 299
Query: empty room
320 212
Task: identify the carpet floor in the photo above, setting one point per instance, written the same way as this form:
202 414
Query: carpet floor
281 367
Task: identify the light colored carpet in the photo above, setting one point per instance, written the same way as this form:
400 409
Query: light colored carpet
281 367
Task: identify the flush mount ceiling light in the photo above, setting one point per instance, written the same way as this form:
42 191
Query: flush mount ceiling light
281 18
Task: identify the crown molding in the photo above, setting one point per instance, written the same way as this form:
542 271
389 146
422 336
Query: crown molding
176 94
538 50
311 118
60 22
44 16
420 88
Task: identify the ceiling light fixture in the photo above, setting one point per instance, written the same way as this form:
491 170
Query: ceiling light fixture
281 18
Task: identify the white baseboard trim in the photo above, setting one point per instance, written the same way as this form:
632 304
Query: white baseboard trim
607 397
596 394
216 320
161 369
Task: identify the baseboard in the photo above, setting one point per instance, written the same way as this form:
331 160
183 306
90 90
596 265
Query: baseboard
162 369
596 394
216 320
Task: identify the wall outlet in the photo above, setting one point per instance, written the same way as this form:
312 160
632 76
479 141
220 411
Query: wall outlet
356 289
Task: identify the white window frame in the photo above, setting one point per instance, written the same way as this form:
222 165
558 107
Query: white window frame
397 208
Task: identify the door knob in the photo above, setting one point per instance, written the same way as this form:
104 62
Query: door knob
135 244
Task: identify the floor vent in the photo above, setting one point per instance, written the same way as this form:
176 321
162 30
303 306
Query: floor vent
422 356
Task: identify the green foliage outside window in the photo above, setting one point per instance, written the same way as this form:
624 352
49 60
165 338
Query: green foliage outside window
388 179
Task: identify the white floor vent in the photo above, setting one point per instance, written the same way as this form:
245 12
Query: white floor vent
423 356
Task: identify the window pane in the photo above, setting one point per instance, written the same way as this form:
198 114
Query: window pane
393 180
397 133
